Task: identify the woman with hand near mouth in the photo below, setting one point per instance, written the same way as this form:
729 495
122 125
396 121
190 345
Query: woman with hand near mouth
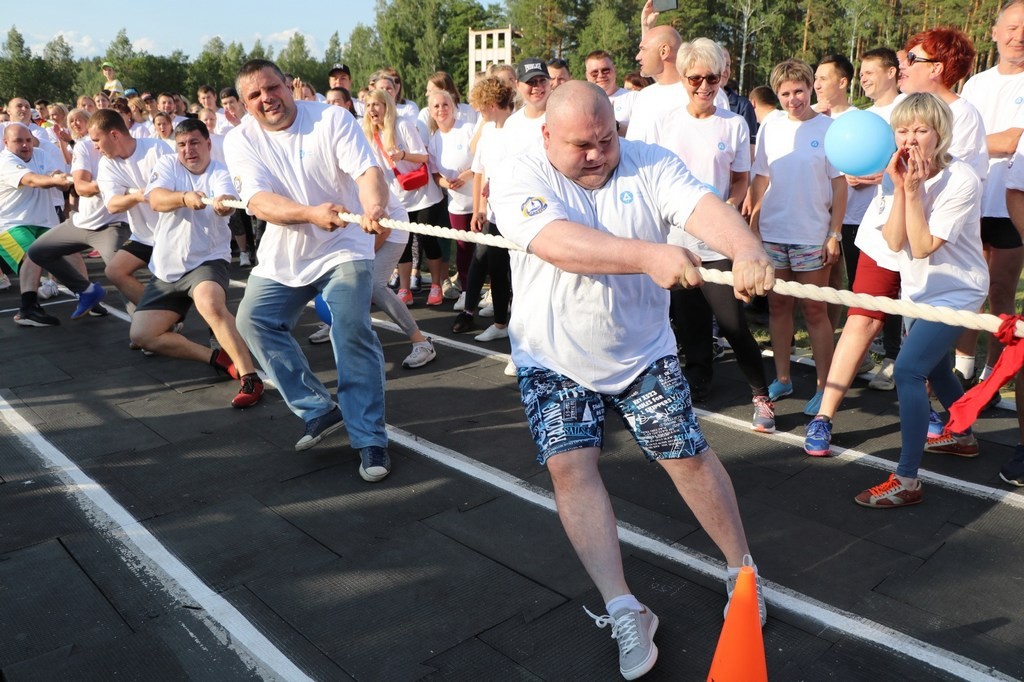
935 230
715 146
798 200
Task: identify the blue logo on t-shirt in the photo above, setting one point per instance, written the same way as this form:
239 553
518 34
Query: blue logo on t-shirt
626 197
1019 100
721 146
815 143
302 154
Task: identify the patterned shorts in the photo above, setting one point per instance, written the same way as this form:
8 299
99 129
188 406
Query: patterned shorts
656 409
796 257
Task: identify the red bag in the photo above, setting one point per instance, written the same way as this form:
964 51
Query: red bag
414 179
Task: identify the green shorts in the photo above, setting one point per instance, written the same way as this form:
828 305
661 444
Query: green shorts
15 242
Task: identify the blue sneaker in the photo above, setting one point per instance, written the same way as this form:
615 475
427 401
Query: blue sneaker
375 464
818 440
319 428
87 299
935 424
778 389
813 406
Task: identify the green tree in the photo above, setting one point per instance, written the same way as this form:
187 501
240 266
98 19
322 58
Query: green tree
546 27
332 55
258 51
19 71
234 57
208 67
613 27
59 69
295 58
120 51
362 54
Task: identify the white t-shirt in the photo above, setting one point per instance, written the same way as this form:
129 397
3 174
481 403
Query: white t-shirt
140 130
185 238
655 99
450 154
92 213
622 102
869 234
1015 171
408 109
1000 101
489 156
217 148
314 161
118 176
956 274
25 205
968 143
524 134
712 148
795 208
600 330
409 141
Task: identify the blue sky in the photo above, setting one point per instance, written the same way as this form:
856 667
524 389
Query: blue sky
88 31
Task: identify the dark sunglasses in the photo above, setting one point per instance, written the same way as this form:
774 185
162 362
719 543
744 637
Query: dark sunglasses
695 81
599 72
913 59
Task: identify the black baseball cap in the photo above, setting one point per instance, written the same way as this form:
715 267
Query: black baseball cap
531 67
340 67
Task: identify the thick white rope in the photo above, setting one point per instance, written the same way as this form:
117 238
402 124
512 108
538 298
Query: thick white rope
919 311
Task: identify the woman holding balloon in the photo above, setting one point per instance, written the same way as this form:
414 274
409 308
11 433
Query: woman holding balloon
798 199
934 228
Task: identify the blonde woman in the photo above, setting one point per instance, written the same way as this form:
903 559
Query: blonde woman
935 230
398 147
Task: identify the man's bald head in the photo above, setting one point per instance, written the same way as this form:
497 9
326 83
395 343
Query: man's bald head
580 134
12 130
19 141
657 54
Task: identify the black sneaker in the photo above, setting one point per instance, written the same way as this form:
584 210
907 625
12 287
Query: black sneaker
966 384
35 317
98 310
375 464
1013 471
319 428
463 323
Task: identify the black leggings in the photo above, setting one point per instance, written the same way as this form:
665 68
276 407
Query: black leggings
692 310
493 261
429 216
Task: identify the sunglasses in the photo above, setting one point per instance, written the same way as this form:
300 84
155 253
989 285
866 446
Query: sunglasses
599 72
695 81
913 59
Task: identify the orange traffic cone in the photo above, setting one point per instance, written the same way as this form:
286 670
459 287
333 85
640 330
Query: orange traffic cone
740 653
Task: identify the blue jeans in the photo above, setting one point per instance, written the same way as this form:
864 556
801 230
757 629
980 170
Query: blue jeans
268 313
925 355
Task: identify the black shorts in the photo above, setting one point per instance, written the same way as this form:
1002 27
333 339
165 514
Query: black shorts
177 296
999 233
141 251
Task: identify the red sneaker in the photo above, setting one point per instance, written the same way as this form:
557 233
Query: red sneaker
435 297
890 494
946 443
250 393
222 362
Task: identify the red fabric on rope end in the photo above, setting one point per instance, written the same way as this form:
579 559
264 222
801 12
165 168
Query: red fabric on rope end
965 411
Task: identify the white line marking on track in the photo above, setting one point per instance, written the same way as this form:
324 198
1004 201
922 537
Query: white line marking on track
224 620
850 455
776 595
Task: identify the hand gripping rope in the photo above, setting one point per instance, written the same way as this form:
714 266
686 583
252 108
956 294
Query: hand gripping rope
1008 329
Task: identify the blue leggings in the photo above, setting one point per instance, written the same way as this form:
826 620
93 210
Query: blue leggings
925 355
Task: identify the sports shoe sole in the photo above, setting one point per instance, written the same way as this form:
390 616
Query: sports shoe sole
1019 482
370 478
313 442
955 453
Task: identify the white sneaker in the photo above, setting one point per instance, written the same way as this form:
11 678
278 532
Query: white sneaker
322 334
884 380
421 354
730 585
460 304
510 368
244 260
867 365
4 282
486 311
450 288
493 333
47 289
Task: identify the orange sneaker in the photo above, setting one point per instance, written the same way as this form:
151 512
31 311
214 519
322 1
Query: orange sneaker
890 494
405 296
435 297
946 443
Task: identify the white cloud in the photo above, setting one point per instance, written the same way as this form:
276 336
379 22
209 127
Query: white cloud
83 45
145 45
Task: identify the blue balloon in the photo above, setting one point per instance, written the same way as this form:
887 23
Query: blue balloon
860 143
322 311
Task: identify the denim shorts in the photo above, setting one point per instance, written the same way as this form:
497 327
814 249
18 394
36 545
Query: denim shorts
656 409
796 257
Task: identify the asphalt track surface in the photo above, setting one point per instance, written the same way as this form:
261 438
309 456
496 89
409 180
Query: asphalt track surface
149 531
